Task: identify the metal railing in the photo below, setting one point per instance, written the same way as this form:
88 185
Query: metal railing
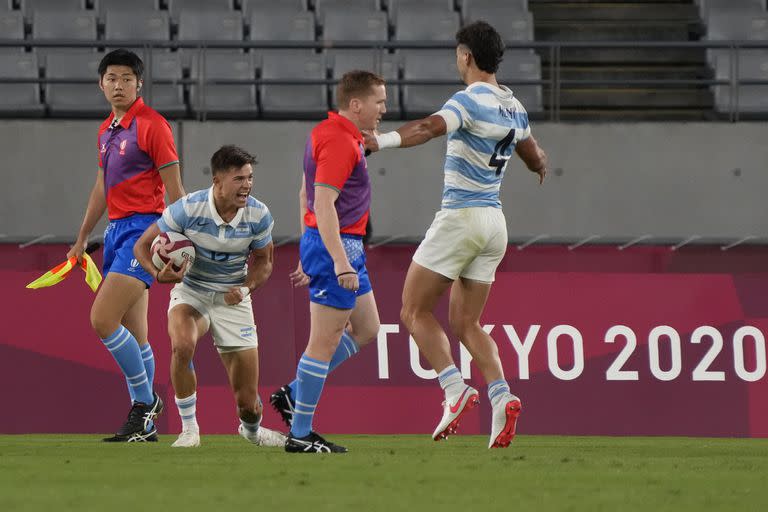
553 49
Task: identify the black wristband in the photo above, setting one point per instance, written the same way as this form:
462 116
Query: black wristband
345 273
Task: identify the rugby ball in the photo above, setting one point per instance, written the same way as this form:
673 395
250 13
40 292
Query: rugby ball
173 247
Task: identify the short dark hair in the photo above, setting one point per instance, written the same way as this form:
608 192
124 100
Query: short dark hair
356 84
122 57
484 43
230 157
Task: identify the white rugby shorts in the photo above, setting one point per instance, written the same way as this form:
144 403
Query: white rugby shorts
465 242
232 327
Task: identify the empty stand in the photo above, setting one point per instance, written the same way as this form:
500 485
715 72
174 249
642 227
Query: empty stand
282 25
74 100
419 100
224 100
20 100
355 26
293 101
420 23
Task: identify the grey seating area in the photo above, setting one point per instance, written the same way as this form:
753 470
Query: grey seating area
752 65
738 20
76 99
223 99
20 100
185 88
293 101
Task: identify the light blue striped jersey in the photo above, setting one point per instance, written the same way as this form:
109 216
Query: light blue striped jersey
484 124
221 248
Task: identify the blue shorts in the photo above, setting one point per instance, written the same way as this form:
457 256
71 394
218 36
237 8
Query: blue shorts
318 265
119 238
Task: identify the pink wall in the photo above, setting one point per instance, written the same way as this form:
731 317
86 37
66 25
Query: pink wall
549 312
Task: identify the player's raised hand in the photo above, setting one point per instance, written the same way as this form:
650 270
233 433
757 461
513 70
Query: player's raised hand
168 275
298 277
346 276
371 144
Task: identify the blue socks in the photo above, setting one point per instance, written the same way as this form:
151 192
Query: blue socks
149 365
347 348
125 349
310 375
496 390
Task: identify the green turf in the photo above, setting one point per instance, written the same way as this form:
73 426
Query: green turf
388 473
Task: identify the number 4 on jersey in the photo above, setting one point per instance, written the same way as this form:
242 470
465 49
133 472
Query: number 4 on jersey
499 161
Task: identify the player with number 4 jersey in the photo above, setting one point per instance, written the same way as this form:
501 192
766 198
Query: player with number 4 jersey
485 125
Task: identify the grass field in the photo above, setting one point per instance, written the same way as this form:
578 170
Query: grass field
392 473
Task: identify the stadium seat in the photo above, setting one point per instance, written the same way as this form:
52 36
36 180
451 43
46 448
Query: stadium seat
74 100
11 27
420 23
282 25
76 25
140 25
263 7
166 98
512 25
224 100
522 66
176 7
6 5
419 100
753 65
28 7
746 5
79 25
734 24
344 6
105 6
381 63
20 100
355 26
208 26
437 6
293 101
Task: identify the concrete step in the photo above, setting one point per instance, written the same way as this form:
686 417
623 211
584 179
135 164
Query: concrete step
628 73
628 55
645 114
614 31
614 11
632 98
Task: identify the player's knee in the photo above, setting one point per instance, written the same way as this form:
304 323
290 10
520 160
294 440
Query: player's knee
366 333
462 326
103 326
183 351
407 316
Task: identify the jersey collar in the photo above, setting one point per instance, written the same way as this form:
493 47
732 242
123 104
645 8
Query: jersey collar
215 214
501 90
125 122
345 123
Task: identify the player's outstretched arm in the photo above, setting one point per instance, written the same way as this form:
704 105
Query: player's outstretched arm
97 205
410 134
534 157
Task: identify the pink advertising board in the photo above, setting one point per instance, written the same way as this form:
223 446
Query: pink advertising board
596 341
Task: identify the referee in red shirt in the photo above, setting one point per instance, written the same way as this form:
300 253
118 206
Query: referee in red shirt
335 199
137 163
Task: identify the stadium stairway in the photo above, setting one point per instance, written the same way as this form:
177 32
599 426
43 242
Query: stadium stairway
616 20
